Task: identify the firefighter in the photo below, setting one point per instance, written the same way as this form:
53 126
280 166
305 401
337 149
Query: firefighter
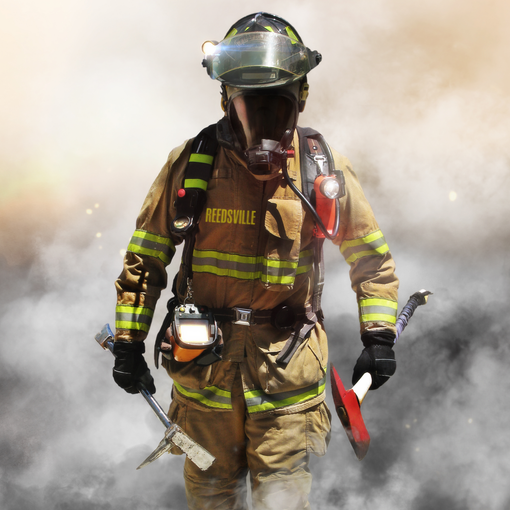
253 256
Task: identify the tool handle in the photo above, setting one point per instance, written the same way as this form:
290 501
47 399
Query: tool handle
417 299
158 410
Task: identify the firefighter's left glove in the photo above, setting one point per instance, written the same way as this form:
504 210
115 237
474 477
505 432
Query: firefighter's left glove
130 367
377 358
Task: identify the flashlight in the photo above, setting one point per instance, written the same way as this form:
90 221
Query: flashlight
209 47
328 189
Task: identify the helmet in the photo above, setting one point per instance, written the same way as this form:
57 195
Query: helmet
260 50
262 65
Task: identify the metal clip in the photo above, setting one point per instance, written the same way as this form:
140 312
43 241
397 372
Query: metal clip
319 160
189 291
242 316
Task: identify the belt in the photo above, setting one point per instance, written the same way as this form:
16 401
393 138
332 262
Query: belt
282 317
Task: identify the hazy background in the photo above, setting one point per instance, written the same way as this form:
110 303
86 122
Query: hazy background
93 96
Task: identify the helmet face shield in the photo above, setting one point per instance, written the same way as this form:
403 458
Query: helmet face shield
259 59
255 117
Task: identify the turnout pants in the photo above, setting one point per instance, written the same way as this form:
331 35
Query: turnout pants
273 449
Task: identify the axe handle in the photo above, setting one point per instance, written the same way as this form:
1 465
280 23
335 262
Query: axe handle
417 299
158 410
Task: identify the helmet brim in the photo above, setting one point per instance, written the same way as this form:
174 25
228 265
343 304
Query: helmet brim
260 59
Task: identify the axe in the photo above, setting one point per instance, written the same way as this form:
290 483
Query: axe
347 403
174 435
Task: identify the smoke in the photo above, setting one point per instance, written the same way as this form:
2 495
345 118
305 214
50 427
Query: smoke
94 97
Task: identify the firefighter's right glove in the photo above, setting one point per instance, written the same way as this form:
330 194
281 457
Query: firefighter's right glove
377 358
130 367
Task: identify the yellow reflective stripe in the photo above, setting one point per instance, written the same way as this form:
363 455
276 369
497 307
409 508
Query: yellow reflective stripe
201 158
362 240
372 244
231 33
304 269
269 29
210 396
243 275
133 317
377 309
258 401
281 272
378 302
227 256
377 317
195 183
145 243
247 259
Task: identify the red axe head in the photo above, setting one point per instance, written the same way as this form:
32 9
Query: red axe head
347 407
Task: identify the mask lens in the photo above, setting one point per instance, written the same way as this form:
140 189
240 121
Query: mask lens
258 117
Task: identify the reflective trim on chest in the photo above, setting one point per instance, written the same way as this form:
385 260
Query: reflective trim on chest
250 230
243 267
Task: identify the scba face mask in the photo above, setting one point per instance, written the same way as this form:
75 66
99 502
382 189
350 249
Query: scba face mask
263 123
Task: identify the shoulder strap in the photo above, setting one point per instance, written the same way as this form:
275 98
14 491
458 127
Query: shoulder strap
316 158
191 197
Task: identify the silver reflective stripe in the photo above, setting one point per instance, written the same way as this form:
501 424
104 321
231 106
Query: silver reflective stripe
145 243
372 244
258 401
133 317
377 309
210 396
251 268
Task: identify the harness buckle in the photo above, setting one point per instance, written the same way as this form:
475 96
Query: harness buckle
242 316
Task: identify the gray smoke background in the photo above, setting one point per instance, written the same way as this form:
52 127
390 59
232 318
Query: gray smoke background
95 94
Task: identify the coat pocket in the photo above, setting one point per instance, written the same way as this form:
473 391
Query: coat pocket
306 368
189 374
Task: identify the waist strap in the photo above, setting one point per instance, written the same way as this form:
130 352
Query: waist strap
282 317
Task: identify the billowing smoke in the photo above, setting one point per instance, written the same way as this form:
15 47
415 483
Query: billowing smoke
95 95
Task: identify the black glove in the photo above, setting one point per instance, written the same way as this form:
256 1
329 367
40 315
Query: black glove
377 358
130 367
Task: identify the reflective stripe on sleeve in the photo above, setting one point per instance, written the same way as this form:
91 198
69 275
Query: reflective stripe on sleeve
201 158
258 401
242 267
210 396
195 183
145 243
372 244
377 309
198 171
133 317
